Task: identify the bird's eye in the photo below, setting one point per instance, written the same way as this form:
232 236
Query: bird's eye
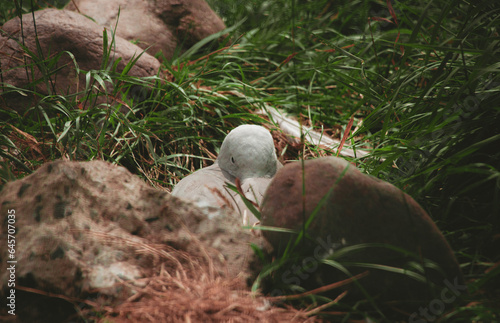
232 160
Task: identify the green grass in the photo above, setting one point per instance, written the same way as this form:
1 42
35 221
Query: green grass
420 80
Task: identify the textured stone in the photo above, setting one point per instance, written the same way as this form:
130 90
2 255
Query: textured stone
353 209
161 25
83 227
59 32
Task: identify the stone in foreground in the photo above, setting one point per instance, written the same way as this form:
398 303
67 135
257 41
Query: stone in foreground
94 231
353 209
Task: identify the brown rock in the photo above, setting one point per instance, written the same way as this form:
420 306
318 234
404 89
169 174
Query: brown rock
59 32
354 209
81 228
163 24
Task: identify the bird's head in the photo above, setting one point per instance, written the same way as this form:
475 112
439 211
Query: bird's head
248 151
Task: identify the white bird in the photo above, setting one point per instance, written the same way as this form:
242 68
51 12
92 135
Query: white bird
247 153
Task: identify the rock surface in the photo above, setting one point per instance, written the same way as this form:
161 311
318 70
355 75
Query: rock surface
357 209
92 230
162 25
59 32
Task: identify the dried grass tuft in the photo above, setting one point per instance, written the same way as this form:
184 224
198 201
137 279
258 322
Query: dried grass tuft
191 287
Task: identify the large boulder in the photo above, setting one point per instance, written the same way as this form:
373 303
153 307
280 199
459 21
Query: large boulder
59 33
161 25
93 231
363 223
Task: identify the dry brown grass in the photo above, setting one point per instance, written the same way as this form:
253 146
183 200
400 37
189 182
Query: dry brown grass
191 291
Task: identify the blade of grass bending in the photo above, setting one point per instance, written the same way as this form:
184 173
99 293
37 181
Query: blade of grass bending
360 247
343 269
99 79
346 134
258 251
396 270
247 202
492 273
3 154
46 117
67 127
206 40
322 288
268 270
276 229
